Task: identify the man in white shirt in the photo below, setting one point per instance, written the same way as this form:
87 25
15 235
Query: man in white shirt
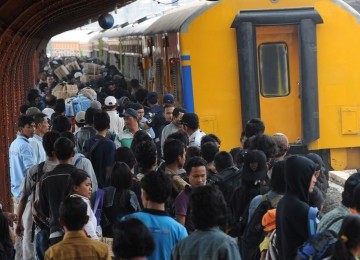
190 122
116 122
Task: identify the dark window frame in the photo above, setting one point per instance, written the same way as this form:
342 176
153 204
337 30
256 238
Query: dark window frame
287 68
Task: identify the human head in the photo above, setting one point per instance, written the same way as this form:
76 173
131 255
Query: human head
61 124
255 167
132 239
69 136
23 109
60 106
33 97
110 103
80 119
192 151
64 149
26 126
41 124
349 187
125 154
277 181
254 127
89 115
211 138
168 99
190 121
152 98
181 136
81 183
223 160
31 111
174 151
282 144
348 244
299 176
73 213
139 109
264 143
209 150
208 207
196 171
168 112
49 140
121 176
146 155
50 101
156 187
140 95
131 119
139 137
101 121
49 80
177 115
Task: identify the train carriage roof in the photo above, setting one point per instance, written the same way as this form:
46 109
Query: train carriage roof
354 4
177 20
130 30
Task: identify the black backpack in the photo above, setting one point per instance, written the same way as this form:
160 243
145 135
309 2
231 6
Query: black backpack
39 219
254 234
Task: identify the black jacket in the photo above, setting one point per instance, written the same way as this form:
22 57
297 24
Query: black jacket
292 210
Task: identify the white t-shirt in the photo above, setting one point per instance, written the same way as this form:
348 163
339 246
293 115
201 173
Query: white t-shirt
116 122
195 138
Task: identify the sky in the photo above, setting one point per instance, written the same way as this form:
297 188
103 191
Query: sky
129 13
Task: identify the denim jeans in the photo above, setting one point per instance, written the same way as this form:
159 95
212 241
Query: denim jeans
42 243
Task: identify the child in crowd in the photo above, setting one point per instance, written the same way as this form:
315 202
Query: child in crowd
132 240
6 244
348 245
82 189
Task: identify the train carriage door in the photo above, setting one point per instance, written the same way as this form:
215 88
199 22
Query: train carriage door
278 74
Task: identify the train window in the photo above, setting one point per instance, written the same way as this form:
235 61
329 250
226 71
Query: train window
274 71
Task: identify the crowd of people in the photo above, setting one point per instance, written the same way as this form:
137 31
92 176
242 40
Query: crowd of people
139 172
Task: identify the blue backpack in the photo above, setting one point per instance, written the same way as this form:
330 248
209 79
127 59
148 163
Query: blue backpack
319 244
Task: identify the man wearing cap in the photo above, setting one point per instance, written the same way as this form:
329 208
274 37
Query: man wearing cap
190 122
84 120
124 139
152 100
50 102
116 122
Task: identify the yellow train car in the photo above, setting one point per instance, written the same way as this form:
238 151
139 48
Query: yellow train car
294 64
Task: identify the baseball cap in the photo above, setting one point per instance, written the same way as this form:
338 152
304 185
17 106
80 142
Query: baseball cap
269 220
255 167
77 74
168 98
95 104
152 97
131 112
124 101
80 117
110 101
